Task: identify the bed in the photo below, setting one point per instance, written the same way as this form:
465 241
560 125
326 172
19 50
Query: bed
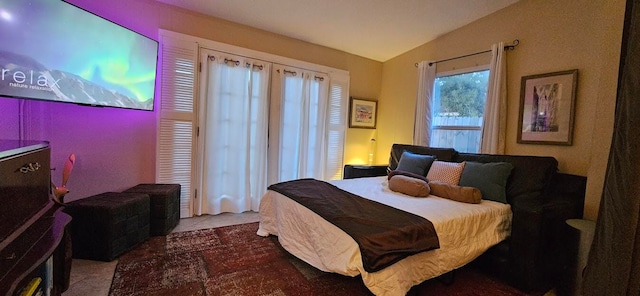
464 231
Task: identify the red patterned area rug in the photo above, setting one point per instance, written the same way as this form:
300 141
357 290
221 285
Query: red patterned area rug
234 260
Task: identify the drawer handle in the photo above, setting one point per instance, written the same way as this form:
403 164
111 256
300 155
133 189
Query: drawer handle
30 167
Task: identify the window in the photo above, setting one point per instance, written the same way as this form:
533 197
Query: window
458 108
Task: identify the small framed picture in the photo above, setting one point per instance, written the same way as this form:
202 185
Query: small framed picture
362 113
547 108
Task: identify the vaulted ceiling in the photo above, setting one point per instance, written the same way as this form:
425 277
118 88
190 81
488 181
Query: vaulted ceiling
375 29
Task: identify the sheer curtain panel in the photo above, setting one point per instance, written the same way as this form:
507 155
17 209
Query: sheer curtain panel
234 167
215 122
495 108
422 128
298 124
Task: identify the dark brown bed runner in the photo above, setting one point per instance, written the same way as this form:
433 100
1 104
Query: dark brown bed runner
384 234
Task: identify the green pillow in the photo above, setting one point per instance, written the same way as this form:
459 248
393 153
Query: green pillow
415 163
490 178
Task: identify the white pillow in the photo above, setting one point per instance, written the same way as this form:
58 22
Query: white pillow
448 172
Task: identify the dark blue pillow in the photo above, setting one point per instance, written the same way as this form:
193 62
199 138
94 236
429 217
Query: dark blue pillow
490 178
408 174
415 163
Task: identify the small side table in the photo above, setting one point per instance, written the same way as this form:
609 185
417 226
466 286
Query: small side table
580 235
359 171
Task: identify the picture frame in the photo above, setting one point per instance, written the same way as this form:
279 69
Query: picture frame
547 103
362 113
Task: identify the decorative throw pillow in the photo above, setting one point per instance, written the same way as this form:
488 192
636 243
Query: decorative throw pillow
408 174
457 193
415 163
491 178
409 186
446 171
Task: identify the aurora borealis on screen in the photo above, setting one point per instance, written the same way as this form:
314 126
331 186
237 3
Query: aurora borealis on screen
52 50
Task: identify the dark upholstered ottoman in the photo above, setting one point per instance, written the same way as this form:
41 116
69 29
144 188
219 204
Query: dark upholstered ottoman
165 206
106 225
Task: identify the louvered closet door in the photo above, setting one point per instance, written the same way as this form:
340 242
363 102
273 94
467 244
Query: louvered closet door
177 117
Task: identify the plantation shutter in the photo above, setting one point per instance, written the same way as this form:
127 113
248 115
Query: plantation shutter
336 125
177 117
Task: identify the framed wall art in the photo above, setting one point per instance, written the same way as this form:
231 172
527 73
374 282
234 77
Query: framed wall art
547 108
362 113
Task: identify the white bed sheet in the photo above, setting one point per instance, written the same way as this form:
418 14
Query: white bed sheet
464 230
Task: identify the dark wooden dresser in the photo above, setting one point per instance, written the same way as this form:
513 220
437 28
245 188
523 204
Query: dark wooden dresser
35 248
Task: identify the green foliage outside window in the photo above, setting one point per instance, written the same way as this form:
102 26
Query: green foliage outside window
462 95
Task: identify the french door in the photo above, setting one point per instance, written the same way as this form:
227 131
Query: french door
229 125
233 133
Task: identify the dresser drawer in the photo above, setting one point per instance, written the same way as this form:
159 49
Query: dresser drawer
25 183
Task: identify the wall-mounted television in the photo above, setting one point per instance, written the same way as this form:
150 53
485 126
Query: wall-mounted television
52 50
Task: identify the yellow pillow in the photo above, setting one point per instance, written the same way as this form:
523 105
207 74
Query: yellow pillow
454 192
409 186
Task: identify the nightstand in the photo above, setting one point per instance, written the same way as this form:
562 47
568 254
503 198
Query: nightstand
358 171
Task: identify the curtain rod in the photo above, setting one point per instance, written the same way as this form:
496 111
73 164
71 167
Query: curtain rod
266 61
506 47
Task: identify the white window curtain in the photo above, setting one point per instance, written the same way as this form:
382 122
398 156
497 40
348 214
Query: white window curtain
298 124
183 133
422 128
234 172
495 110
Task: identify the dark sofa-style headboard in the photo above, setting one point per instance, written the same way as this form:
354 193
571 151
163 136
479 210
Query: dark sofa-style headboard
444 154
530 174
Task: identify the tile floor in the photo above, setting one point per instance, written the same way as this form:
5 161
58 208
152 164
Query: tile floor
94 277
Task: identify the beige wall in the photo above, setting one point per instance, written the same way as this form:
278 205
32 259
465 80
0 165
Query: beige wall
554 35
148 16
115 148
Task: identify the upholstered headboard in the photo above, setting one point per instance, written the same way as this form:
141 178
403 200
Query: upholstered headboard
530 174
445 154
